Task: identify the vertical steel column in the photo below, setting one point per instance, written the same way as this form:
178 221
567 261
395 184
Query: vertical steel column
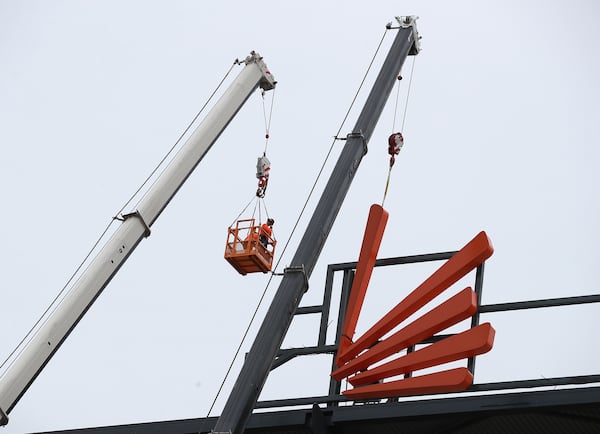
475 318
326 307
278 318
334 385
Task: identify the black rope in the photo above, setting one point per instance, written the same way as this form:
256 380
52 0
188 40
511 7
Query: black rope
237 351
235 62
53 305
408 93
245 208
331 149
294 228
44 317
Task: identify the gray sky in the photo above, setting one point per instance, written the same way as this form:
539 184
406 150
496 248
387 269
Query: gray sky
500 135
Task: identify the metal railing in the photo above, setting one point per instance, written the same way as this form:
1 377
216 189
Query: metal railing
348 268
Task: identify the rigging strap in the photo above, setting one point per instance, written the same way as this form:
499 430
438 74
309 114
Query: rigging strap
267 122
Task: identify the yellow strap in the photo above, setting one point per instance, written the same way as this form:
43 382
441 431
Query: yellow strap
387 184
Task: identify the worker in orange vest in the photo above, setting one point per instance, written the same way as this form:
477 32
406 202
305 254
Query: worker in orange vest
266 230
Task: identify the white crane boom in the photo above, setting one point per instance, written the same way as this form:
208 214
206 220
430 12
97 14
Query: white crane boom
26 366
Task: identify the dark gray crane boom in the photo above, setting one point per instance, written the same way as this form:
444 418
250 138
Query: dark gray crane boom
267 343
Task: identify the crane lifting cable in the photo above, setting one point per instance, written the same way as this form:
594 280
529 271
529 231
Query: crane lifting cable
263 165
250 245
396 140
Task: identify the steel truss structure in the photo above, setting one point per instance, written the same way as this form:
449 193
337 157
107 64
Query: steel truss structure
549 405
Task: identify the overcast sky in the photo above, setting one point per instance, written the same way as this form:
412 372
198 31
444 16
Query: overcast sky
501 135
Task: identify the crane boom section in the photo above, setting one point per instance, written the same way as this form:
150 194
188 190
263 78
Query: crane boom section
29 362
258 362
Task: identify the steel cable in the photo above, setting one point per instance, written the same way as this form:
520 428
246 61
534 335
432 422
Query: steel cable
294 227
